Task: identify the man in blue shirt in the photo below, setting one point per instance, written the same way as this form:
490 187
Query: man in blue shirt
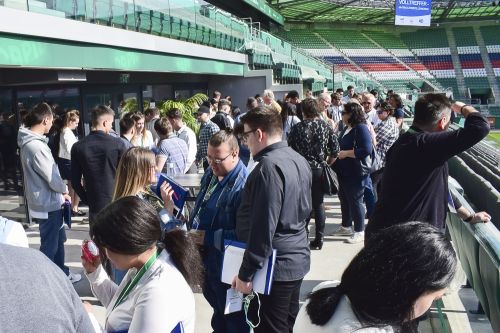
214 219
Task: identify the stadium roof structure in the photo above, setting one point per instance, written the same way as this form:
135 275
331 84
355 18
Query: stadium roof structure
380 11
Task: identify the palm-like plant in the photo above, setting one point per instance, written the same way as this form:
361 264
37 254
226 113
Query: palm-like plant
188 107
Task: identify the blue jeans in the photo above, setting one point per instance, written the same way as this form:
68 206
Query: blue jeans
351 203
369 196
215 293
52 238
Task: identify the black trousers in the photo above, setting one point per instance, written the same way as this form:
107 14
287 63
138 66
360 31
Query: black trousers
277 310
376 181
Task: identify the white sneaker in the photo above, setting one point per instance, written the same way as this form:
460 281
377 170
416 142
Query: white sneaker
358 237
74 277
343 231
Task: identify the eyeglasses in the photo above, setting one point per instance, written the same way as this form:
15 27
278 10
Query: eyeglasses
380 111
363 103
216 160
244 136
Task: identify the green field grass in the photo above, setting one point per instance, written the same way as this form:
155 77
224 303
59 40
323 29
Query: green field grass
495 137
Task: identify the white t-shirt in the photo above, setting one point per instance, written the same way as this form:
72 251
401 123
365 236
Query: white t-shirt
373 117
66 141
12 233
343 320
145 141
160 301
187 134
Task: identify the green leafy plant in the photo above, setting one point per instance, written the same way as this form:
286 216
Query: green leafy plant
188 107
129 105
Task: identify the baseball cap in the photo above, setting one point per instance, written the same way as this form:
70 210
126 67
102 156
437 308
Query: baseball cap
203 109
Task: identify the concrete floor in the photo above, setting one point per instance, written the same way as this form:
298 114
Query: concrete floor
327 264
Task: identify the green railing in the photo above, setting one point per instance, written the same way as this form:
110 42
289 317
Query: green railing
194 21
190 20
478 248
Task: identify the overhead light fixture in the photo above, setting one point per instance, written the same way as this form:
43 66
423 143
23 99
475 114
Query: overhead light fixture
71 76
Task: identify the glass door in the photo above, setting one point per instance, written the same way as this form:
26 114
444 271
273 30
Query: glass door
121 99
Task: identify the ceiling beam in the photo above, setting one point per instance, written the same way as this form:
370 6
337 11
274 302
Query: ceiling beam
447 11
288 4
331 9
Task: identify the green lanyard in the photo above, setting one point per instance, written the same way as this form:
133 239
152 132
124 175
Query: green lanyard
132 283
210 190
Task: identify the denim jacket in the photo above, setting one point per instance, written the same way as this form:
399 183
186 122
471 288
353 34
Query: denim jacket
223 223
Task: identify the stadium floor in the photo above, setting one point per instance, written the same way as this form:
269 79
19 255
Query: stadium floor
327 264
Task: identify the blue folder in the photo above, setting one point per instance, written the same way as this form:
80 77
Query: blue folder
180 193
263 278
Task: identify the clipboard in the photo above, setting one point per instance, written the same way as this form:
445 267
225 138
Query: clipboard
179 195
233 257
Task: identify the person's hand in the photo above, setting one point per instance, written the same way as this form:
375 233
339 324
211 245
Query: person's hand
242 286
166 192
67 197
457 107
480 217
342 154
198 236
87 306
90 267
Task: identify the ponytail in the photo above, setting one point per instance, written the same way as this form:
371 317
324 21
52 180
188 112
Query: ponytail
322 304
185 255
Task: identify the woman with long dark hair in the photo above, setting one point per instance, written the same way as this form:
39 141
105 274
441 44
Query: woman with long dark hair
155 295
314 139
388 284
355 147
289 118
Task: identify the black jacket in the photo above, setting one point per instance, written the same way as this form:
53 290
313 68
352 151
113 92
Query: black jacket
221 120
415 179
96 158
275 204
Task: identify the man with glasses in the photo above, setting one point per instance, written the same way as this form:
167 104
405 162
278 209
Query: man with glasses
213 220
368 104
207 129
324 102
275 204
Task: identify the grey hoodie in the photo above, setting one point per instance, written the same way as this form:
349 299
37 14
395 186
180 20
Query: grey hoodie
43 182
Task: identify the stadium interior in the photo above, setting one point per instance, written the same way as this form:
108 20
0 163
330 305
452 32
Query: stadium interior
86 52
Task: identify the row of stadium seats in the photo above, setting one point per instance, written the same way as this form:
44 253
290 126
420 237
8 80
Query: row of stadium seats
476 72
490 34
468 49
464 36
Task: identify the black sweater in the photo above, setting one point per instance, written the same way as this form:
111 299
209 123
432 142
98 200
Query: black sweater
415 180
275 203
96 158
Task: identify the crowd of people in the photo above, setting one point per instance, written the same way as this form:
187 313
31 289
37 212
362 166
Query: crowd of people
263 172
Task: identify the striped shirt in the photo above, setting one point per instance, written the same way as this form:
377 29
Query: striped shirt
206 131
175 150
387 132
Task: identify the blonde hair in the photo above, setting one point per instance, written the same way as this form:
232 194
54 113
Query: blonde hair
70 116
134 172
138 116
